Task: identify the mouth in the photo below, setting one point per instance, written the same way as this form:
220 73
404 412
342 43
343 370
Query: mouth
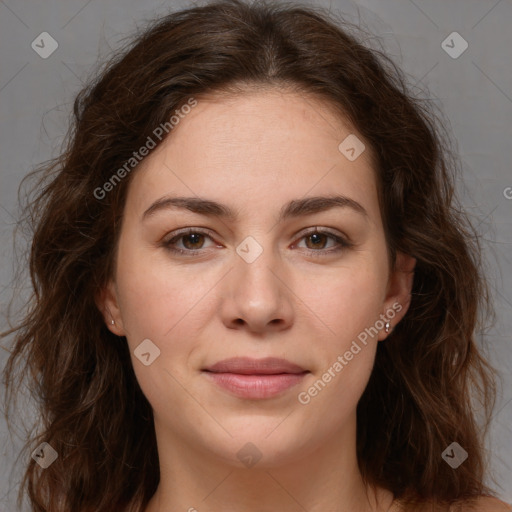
255 378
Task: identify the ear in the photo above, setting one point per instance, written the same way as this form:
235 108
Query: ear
108 304
398 295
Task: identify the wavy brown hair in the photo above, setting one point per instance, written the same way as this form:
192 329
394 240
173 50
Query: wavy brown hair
430 385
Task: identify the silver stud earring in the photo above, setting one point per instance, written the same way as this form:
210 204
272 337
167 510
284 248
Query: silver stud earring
387 327
112 322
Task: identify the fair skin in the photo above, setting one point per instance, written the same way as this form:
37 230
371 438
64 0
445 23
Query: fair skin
254 153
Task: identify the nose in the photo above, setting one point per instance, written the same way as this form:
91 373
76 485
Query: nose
258 295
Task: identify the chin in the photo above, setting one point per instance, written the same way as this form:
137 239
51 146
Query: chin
263 448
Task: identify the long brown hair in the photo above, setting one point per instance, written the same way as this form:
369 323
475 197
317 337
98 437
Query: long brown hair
429 376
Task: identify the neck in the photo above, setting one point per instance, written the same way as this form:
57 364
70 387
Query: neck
316 479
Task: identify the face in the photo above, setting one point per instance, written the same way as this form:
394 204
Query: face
260 271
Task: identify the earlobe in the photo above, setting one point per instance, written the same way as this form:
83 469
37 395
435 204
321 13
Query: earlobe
398 298
107 303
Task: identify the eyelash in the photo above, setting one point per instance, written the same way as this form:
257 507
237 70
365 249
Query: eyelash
343 243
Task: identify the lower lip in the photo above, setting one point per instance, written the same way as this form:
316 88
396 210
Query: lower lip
256 386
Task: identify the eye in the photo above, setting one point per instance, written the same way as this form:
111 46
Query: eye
316 241
192 240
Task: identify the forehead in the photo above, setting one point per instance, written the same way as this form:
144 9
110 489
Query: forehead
261 145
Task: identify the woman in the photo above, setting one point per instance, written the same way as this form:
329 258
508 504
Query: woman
254 289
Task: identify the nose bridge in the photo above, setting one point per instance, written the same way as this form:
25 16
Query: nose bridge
255 267
256 293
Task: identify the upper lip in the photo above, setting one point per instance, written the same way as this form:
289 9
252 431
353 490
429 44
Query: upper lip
249 366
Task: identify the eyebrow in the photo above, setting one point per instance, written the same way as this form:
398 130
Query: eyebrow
292 209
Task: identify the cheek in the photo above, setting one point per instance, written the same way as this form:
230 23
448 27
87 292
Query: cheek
345 301
349 303
155 298
163 307
166 303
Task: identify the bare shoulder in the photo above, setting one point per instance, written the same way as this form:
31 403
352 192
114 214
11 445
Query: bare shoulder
479 504
484 504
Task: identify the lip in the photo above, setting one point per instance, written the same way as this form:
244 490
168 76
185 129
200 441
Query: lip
249 366
255 378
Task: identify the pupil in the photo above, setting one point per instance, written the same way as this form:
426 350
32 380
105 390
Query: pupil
195 238
314 237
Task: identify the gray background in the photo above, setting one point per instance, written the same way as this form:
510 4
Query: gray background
473 90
